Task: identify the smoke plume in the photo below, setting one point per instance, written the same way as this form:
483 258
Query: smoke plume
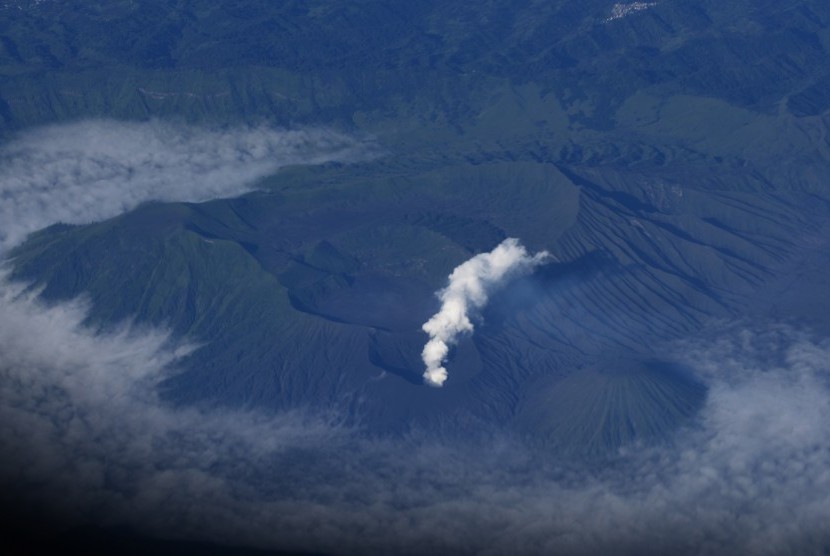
85 432
470 286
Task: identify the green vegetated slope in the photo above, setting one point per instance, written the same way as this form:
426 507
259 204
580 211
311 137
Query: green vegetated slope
210 290
672 190
357 63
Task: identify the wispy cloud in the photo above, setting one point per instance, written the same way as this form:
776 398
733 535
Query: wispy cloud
82 424
93 170
84 431
80 410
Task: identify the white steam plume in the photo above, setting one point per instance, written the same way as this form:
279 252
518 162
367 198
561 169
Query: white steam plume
470 286
83 429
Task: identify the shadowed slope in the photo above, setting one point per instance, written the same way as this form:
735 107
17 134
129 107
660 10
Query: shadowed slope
599 409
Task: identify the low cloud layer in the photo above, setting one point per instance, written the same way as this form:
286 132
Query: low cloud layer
93 170
81 424
85 434
80 411
470 285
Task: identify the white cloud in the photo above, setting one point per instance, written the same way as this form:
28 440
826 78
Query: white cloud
80 416
84 431
92 170
79 410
